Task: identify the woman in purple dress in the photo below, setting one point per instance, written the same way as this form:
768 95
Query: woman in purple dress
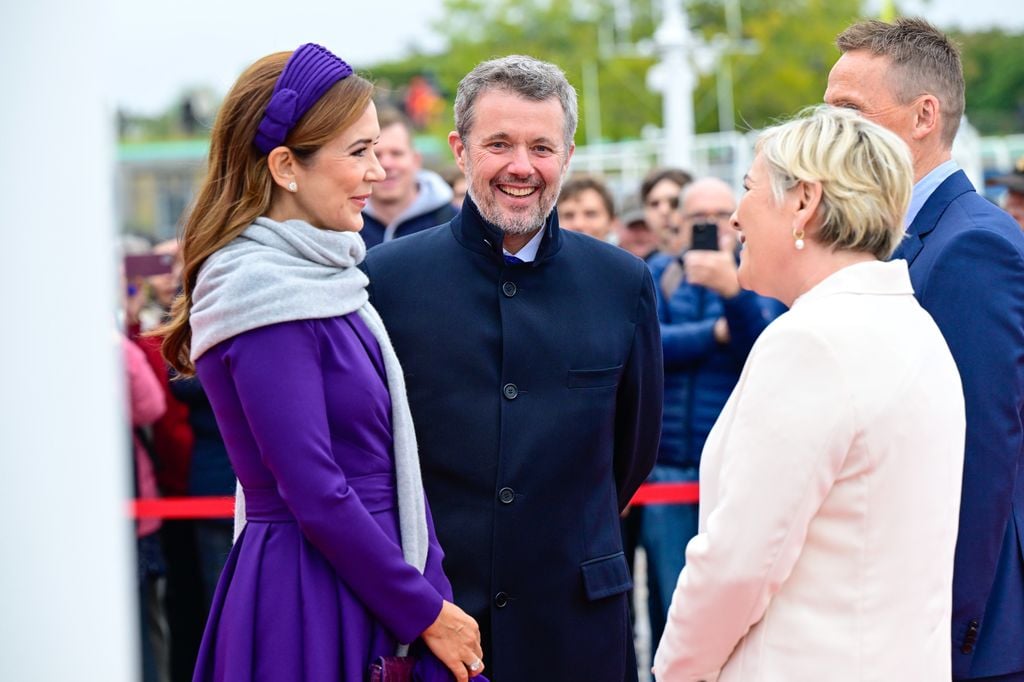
337 563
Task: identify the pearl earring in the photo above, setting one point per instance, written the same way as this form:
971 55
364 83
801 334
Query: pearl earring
798 235
292 187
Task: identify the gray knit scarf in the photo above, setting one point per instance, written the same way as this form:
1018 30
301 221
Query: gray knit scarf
279 272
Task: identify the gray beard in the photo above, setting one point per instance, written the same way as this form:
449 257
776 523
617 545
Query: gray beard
519 223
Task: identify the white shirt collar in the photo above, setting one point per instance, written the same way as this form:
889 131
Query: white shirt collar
528 253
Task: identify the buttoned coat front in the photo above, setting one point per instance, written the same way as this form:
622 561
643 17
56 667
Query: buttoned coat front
536 390
830 491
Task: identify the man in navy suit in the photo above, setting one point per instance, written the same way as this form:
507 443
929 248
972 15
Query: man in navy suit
532 359
966 259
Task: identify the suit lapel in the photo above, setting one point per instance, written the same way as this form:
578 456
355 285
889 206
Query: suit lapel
909 247
928 217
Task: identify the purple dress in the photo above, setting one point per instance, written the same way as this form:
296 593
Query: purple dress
316 586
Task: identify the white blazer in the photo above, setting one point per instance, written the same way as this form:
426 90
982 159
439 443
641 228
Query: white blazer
830 494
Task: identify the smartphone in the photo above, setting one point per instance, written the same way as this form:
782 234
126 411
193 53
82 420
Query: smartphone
147 265
705 237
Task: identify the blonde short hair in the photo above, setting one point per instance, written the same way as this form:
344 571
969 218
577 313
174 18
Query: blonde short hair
865 173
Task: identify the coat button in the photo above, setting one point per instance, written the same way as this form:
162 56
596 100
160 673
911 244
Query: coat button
509 289
966 649
510 391
501 600
506 495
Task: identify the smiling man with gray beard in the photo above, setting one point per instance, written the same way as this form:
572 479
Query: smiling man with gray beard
534 370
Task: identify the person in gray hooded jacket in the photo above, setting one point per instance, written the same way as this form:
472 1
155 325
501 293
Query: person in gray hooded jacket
410 198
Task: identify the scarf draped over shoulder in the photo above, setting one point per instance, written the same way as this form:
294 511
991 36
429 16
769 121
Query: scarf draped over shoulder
280 272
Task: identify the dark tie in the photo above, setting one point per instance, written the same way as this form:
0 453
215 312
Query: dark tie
512 260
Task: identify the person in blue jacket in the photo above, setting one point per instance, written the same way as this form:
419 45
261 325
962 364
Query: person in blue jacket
410 198
966 259
708 325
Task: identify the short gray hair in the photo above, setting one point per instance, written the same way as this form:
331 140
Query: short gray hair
923 58
524 76
864 169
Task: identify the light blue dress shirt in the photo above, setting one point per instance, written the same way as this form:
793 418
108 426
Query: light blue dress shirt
528 253
925 186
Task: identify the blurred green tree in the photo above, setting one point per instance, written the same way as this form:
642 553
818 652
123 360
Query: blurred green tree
606 48
994 77
576 36
794 39
789 70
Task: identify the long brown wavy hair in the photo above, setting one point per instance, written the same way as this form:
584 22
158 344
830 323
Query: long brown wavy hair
238 187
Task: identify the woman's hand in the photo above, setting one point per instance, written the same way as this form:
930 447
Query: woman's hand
455 639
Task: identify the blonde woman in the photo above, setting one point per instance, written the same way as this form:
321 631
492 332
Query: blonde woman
830 484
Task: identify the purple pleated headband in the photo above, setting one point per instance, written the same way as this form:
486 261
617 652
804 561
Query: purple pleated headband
309 73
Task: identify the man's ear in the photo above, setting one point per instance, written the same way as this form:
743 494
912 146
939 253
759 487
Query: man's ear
458 149
282 162
927 117
568 157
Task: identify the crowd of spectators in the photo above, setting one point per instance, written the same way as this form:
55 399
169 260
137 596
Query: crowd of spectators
177 452
679 225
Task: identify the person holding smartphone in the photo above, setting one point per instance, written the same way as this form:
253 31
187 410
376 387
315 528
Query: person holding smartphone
708 325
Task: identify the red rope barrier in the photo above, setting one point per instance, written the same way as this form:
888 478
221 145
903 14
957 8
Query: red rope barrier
667 493
183 508
224 507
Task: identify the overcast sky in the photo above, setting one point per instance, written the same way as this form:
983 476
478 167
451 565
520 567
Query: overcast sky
163 47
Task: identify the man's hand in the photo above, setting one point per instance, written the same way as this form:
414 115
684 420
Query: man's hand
722 331
715 270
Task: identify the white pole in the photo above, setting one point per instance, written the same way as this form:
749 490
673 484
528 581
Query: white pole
592 101
675 43
726 118
67 577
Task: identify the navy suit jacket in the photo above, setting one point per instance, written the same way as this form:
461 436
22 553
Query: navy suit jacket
536 390
966 260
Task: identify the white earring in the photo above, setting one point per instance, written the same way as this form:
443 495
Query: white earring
292 187
798 235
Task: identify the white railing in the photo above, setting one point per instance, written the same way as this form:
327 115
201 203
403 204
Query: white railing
623 165
158 181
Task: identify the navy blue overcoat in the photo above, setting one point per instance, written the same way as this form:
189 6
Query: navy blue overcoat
536 390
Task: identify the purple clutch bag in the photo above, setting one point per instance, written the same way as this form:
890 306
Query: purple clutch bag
392 669
412 669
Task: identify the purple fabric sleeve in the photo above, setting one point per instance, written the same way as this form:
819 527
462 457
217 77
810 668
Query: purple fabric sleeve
280 383
434 571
